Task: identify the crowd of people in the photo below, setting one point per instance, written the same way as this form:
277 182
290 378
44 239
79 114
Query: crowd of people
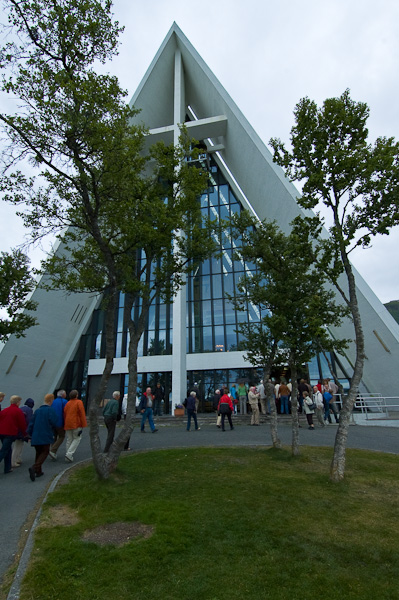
59 418
322 400
45 429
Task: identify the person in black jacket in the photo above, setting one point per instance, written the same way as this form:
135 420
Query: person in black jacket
158 395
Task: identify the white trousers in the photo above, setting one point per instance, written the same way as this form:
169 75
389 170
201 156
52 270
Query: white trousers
73 437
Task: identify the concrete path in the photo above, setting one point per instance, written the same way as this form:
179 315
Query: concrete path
20 496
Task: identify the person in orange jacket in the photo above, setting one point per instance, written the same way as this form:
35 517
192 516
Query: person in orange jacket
74 421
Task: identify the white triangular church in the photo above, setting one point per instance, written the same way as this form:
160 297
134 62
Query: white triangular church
194 341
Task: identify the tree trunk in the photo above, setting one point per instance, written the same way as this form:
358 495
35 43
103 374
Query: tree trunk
102 464
294 409
337 470
276 442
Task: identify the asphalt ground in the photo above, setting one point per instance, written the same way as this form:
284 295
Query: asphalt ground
22 498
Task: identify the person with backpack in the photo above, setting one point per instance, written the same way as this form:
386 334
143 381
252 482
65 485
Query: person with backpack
189 403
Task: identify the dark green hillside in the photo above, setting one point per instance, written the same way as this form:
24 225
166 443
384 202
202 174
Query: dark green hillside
393 308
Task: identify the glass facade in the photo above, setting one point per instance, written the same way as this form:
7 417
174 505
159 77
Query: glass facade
211 319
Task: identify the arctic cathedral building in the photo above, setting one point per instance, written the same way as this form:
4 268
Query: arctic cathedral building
195 339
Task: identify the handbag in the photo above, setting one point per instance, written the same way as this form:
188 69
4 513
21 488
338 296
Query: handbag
312 406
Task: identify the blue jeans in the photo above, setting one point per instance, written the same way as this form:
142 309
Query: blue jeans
147 414
284 408
6 451
193 414
327 410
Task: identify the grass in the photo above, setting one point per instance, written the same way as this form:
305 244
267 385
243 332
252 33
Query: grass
228 524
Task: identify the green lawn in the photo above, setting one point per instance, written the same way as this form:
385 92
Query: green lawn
227 523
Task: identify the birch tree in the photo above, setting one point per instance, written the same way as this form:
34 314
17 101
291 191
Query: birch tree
296 309
358 183
128 222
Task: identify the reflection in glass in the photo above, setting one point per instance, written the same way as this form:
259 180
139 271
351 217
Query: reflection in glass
207 337
219 339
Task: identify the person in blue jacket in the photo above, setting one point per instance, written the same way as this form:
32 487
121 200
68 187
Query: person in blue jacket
59 434
41 429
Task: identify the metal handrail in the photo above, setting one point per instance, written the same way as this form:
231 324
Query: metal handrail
365 402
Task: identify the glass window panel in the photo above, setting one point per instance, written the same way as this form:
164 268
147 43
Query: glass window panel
218 312
216 265
207 333
227 261
234 376
224 212
204 201
242 316
250 265
195 288
121 299
224 194
238 265
189 314
162 315
314 370
205 267
97 351
162 342
196 317
207 312
120 319
140 346
118 350
206 287
208 376
228 284
253 313
219 339
325 371
231 338
151 317
235 208
213 196
217 286
196 339
226 238
230 313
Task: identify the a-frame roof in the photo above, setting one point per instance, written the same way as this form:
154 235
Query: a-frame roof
257 181
242 149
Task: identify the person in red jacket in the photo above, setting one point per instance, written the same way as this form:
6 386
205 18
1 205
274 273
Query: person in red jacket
12 422
225 407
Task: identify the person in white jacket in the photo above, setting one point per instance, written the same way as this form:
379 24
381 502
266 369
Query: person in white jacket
318 400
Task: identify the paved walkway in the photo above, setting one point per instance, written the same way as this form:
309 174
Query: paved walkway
20 496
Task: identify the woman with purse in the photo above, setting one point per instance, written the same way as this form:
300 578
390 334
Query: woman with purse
309 408
318 401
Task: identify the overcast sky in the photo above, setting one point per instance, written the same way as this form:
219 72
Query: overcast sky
268 55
